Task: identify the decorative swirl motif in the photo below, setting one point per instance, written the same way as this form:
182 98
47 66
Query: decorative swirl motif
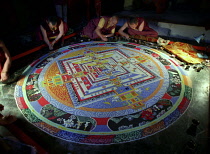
153 129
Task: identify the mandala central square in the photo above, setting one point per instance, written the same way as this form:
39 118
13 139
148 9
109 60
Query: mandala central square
99 74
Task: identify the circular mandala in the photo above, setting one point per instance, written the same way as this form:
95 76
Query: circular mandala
103 93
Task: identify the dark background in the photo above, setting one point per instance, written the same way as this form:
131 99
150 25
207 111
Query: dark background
20 18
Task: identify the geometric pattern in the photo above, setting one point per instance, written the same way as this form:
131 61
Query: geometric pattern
103 93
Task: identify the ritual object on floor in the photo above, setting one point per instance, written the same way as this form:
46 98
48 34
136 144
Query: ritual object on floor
184 52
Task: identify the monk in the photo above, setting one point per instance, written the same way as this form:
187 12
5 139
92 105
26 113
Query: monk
5 62
53 29
102 28
137 26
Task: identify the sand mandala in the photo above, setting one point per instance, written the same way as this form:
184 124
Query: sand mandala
103 93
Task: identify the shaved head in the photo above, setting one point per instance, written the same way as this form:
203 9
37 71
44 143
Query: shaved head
114 20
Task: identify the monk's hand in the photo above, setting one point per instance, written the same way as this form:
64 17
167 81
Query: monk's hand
4 76
127 36
104 38
50 47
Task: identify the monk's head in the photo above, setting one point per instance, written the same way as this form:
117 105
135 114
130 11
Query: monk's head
133 22
52 22
113 20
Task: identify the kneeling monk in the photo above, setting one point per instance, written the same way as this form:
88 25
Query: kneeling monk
102 27
137 26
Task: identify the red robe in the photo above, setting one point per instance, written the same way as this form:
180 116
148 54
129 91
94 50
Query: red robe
147 31
49 32
89 30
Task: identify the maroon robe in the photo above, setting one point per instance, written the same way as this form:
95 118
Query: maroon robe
49 32
89 30
147 31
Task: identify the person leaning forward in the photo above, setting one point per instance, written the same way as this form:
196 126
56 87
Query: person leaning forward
52 29
102 27
137 26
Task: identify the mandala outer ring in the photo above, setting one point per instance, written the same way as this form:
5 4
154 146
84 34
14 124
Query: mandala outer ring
114 137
